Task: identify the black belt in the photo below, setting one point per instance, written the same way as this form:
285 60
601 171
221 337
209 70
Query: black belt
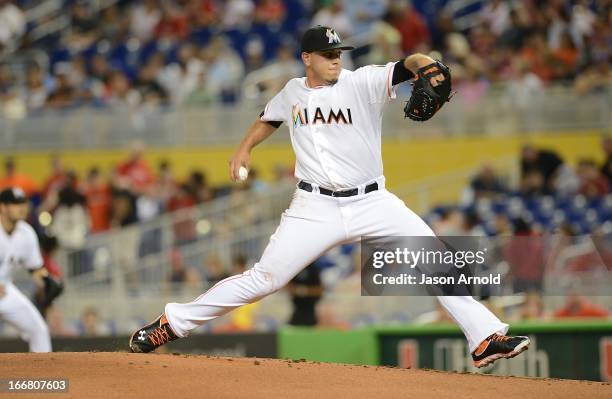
343 193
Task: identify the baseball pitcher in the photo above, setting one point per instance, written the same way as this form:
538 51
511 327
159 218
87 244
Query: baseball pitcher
335 123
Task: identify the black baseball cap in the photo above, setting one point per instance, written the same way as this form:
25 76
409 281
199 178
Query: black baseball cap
322 38
13 195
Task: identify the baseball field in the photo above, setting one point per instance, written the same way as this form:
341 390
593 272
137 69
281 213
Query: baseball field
124 375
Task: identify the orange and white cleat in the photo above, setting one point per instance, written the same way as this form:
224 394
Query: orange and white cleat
499 346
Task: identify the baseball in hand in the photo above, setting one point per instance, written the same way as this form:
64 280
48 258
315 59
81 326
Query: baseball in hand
243 173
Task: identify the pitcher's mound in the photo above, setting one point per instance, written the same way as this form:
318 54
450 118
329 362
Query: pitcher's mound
126 375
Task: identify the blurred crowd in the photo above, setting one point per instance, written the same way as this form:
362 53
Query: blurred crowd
72 208
551 195
198 52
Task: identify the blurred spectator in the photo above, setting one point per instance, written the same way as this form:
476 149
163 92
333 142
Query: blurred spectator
497 15
536 162
501 225
184 224
386 40
90 324
70 219
526 258
123 208
237 13
124 242
239 263
71 225
593 184
165 186
114 25
35 91
150 81
365 13
579 306
566 182
472 225
606 168
197 184
119 93
596 77
267 81
58 177
57 326
215 269
514 35
566 57
305 289
172 26
62 94
255 183
411 25
135 174
537 55
98 198
12 24
144 17
12 178
474 85
486 184
270 12
201 94
450 223
225 69
181 78
525 86
332 14
254 55
532 308
181 275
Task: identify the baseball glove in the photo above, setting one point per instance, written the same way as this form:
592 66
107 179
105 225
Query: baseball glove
426 99
52 289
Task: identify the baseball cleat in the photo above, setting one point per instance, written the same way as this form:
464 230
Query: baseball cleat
498 346
152 336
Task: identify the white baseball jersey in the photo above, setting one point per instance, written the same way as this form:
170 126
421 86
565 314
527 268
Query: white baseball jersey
336 136
18 249
21 249
336 129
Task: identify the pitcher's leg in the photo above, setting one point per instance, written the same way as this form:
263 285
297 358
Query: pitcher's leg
389 216
297 242
20 312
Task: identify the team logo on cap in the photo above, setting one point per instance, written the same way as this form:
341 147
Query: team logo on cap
332 36
18 192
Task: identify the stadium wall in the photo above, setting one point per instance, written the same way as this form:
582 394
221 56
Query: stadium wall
575 349
406 159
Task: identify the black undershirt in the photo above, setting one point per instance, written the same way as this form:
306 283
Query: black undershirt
400 74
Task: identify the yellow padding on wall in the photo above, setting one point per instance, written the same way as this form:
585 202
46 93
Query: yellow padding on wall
404 160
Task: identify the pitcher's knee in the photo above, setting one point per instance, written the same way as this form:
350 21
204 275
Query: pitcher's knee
266 282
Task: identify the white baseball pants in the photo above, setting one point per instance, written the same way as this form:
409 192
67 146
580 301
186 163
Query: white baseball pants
313 224
19 311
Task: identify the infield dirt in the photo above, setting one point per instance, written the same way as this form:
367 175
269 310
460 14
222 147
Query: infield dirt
126 375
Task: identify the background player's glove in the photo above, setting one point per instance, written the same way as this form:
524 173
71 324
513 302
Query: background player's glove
52 289
426 99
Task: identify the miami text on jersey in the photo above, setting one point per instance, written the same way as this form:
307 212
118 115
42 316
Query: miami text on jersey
300 116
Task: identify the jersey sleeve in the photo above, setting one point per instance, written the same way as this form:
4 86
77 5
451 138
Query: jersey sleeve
276 108
378 80
33 259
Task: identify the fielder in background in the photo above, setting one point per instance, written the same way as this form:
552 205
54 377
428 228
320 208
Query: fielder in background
335 123
19 248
